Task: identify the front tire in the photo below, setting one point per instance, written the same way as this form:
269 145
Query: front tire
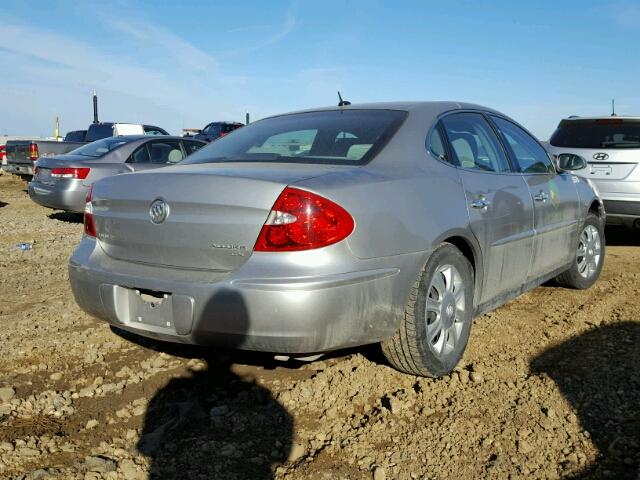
589 258
437 321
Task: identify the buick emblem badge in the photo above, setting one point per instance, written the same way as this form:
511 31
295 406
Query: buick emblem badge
158 211
600 156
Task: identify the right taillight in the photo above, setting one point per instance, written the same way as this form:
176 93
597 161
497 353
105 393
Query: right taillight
301 220
89 223
33 152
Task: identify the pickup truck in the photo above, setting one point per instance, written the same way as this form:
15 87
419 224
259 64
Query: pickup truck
22 154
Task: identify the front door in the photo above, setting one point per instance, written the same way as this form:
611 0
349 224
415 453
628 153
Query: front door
555 199
498 201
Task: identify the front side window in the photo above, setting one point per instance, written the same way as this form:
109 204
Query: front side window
474 144
332 137
528 153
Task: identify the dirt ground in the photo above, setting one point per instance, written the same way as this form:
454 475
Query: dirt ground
549 387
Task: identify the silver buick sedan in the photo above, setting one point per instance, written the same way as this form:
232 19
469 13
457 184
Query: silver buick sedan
313 231
62 182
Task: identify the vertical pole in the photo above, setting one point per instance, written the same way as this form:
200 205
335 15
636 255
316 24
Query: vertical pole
95 107
247 119
57 128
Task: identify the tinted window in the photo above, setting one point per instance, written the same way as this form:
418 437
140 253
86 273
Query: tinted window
165 152
75 136
100 147
141 155
98 131
474 143
335 137
528 153
151 130
230 128
436 145
213 129
600 133
191 146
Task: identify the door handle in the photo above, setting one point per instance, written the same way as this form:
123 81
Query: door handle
481 204
541 197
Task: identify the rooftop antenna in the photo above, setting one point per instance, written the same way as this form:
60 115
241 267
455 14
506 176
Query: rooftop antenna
613 107
95 107
342 102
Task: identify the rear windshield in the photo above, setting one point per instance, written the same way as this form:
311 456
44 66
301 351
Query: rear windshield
98 131
600 133
334 137
101 147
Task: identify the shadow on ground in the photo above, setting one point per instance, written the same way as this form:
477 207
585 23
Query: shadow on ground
622 237
3 204
214 423
598 373
67 217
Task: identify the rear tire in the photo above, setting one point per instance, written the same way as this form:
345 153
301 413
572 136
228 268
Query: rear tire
437 321
589 257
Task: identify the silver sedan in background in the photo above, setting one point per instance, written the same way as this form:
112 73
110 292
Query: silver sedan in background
307 232
62 182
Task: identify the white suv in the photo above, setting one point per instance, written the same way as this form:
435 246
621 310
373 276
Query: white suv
611 146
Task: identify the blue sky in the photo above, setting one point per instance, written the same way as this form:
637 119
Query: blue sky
184 64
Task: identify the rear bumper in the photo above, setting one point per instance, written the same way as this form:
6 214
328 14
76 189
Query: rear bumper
20 168
245 309
61 196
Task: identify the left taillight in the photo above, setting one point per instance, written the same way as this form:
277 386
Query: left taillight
2 152
89 222
33 152
77 173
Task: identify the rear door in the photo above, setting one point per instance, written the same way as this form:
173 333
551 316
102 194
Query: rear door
555 199
499 204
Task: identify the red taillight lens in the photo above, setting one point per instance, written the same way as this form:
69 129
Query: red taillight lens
33 152
78 173
2 152
89 223
301 220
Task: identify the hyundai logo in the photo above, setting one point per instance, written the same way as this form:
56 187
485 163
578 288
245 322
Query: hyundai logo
158 211
600 156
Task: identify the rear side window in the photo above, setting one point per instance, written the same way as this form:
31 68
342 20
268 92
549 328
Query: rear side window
334 137
141 155
474 144
436 145
529 155
614 133
165 152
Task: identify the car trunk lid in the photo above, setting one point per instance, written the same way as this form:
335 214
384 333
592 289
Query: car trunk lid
214 212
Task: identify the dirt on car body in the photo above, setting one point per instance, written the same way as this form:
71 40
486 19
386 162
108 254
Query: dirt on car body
549 387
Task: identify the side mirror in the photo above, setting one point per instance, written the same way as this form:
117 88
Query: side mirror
571 161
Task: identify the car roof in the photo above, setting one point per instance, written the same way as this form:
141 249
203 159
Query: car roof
603 117
133 138
434 108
